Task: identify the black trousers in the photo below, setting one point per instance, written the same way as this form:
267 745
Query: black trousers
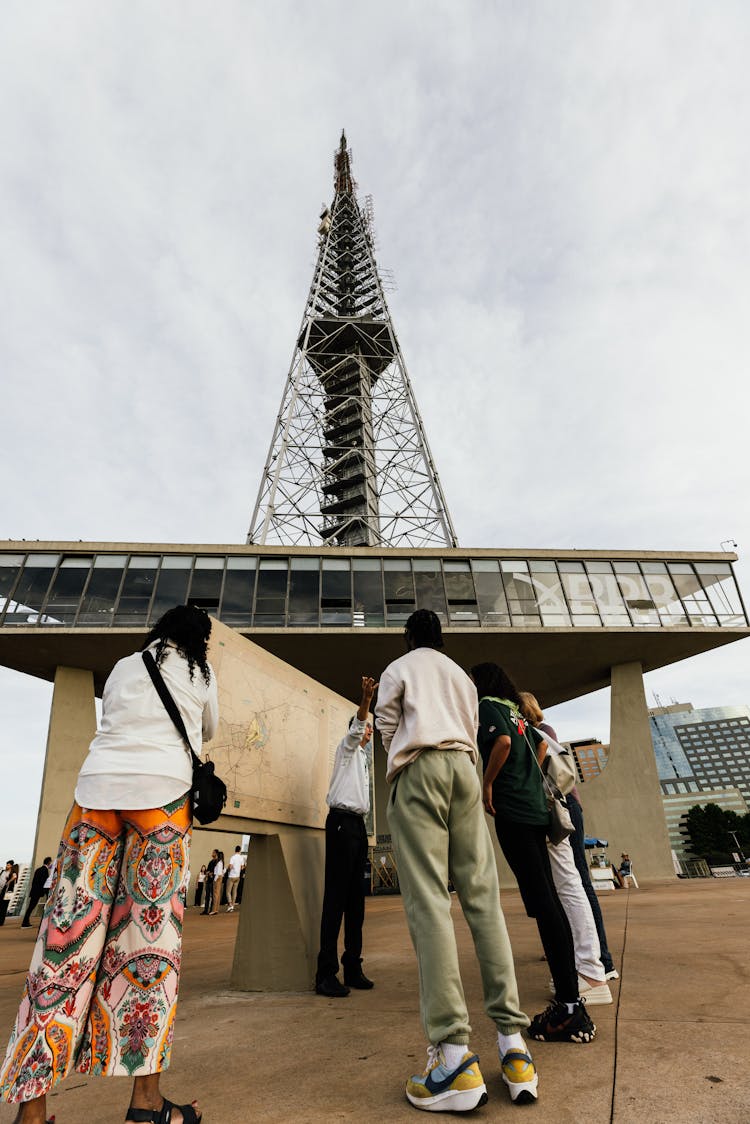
344 893
208 905
34 901
579 854
525 848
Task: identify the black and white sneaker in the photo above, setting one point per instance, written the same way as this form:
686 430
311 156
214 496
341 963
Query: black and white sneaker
557 1024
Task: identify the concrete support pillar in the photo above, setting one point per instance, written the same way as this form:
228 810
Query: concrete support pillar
72 725
279 928
623 804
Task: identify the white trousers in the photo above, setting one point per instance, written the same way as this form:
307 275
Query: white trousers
571 893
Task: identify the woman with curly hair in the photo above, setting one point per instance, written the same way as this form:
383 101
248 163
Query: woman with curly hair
101 993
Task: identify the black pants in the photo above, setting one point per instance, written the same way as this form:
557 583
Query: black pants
525 848
209 902
34 901
579 854
198 892
4 903
344 894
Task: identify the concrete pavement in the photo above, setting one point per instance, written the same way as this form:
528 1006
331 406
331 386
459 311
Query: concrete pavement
674 1047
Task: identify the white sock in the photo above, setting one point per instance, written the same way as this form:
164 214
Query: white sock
507 1042
453 1053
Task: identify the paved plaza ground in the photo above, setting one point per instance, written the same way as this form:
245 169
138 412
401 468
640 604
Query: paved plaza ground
673 1047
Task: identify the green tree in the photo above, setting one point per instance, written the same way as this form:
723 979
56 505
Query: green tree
709 828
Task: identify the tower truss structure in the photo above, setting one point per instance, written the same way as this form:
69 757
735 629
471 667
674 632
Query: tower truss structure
349 463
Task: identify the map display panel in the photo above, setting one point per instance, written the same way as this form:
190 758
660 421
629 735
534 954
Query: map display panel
278 733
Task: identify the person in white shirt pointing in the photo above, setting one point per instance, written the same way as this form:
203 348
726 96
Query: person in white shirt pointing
346 854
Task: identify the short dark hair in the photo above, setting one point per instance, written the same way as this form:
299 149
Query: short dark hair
490 679
47 860
237 848
423 629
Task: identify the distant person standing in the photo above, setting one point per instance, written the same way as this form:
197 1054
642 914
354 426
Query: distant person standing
39 886
8 880
346 854
209 891
626 871
427 715
234 870
218 878
200 883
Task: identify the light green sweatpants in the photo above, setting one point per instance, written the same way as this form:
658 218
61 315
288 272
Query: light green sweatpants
439 833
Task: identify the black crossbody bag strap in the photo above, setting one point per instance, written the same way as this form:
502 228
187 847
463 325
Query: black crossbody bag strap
169 704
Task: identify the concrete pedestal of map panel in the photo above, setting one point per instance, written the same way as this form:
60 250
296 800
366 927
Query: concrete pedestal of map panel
72 725
279 927
623 804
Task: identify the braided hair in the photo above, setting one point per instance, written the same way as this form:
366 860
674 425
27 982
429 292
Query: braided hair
188 628
423 630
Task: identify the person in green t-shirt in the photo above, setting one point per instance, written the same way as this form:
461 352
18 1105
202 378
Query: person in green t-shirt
512 791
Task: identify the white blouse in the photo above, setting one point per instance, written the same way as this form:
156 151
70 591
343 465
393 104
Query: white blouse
137 758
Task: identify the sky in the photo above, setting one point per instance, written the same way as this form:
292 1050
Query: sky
559 190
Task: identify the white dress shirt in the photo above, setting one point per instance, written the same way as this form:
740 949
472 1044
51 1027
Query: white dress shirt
350 779
137 758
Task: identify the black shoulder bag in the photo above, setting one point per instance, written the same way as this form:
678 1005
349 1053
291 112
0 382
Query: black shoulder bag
208 792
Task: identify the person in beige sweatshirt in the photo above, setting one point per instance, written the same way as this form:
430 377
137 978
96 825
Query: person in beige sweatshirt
427 715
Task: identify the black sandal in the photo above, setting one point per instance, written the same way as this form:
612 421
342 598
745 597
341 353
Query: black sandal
163 1115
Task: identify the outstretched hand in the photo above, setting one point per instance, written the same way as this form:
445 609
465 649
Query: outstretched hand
369 687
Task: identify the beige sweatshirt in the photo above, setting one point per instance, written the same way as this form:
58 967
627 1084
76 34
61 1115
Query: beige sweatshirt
425 701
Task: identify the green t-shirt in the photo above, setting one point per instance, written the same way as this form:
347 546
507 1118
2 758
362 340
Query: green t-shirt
517 791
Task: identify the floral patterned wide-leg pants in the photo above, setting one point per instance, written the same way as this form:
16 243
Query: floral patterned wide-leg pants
101 992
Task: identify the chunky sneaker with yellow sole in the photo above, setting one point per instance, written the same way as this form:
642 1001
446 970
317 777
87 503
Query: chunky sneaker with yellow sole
440 1089
557 1024
520 1076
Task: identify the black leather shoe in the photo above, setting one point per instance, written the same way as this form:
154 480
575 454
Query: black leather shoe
355 977
331 987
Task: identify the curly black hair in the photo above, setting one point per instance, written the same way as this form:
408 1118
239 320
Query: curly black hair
189 628
490 679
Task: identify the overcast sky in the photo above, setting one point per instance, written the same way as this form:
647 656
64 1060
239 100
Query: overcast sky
560 190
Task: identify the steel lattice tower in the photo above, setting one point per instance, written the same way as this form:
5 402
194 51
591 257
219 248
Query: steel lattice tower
349 464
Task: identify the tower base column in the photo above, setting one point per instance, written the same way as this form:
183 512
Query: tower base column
623 804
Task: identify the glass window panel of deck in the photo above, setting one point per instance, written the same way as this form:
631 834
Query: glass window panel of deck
692 594
367 592
171 584
99 598
429 591
10 568
519 592
608 595
304 591
65 592
664 594
270 594
336 593
718 582
549 593
488 583
635 593
31 589
581 601
208 578
239 588
137 590
398 583
460 592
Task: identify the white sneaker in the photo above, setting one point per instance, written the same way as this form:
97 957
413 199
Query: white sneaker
594 994
613 975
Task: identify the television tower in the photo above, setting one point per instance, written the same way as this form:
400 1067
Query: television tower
349 464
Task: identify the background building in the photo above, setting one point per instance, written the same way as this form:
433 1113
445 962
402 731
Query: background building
590 757
702 750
